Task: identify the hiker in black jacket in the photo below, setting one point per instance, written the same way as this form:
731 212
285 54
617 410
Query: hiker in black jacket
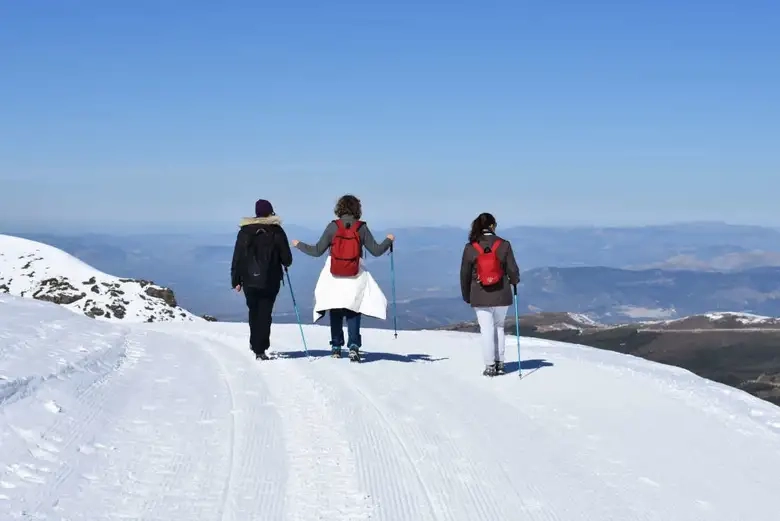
260 254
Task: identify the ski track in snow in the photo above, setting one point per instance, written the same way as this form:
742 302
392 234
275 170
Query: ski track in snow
179 422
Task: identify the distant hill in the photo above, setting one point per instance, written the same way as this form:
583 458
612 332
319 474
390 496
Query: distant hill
736 349
734 261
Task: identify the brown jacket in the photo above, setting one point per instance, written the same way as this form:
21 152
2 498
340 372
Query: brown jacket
498 295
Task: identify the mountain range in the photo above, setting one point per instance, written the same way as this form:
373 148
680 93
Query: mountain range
584 269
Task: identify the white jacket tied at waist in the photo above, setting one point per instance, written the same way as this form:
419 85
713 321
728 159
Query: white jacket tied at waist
360 293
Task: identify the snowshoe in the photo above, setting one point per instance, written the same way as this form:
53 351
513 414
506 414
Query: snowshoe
500 368
262 356
490 370
354 354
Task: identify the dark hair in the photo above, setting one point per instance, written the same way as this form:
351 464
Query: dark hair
482 223
349 205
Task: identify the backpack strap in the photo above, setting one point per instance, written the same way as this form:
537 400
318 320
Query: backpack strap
496 244
341 226
477 247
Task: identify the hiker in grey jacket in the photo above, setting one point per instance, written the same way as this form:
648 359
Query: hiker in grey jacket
489 302
347 297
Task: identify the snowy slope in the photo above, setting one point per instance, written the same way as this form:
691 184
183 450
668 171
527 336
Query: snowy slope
172 421
37 270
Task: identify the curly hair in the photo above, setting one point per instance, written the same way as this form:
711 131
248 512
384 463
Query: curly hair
349 205
483 222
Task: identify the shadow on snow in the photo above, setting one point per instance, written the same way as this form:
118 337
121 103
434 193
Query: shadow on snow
529 366
366 356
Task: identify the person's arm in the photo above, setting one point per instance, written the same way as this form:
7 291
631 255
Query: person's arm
512 269
369 242
235 265
466 271
285 254
317 250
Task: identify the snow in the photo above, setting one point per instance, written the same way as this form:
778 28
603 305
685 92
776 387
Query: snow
742 318
584 319
33 269
174 421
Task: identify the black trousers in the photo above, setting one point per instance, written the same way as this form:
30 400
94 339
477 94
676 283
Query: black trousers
261 305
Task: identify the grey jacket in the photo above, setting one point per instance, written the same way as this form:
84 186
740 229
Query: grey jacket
498 295
366 240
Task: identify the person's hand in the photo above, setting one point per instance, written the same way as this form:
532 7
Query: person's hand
391 236
295 243
238 288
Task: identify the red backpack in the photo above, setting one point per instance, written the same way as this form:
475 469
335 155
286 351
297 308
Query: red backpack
489 269
345 250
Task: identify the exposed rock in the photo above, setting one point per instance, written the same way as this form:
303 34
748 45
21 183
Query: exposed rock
4 288
58 291
95 289
162 293
91 280
59 298
142 282
209 318
95 312
119 310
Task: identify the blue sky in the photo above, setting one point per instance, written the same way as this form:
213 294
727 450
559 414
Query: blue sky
183 113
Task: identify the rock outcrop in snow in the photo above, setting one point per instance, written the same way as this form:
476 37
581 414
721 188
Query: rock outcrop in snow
36 270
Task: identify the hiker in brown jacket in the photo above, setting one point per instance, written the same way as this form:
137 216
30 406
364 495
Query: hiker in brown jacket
489 298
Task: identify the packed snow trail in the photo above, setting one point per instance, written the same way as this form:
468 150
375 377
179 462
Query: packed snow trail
179 422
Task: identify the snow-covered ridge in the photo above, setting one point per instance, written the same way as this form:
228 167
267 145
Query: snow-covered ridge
743 318
718 320
35 270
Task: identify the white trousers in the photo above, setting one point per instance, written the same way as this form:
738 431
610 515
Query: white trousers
491 326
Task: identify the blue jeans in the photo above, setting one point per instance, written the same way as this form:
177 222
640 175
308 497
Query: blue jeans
337 317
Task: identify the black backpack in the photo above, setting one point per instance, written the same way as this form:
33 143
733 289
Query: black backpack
261 260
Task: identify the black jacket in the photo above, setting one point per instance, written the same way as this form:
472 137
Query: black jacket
248 228
499 295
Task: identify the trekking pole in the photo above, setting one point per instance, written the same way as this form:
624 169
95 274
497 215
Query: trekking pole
297 315
392 281
517 330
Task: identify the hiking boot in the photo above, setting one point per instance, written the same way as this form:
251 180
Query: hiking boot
490 370
261 356
335 352
354 353
500 368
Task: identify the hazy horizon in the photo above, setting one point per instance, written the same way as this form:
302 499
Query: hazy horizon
196 228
